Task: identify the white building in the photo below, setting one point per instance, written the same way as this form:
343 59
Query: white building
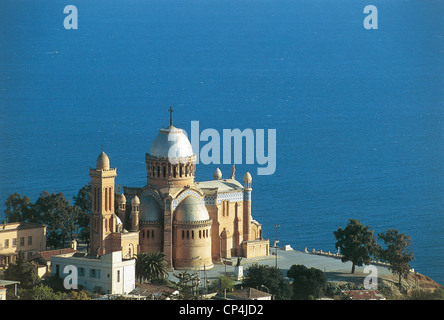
108 274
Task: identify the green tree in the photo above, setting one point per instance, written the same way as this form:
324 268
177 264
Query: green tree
188 284
396 253
265 277
307 282
23 271
151 266
40 292
83 201
356 243
78 295
83 198
60 217
222 283
18 208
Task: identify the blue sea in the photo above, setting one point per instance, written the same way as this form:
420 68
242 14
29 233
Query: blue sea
358 113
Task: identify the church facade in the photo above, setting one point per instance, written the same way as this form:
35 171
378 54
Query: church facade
195 224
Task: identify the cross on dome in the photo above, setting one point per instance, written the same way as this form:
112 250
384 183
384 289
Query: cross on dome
171 115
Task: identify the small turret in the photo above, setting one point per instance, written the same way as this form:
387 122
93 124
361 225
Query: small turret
122 207
102 162
247 205
135 203
247 180
217 174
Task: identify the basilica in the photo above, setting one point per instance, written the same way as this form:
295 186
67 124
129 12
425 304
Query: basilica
195 224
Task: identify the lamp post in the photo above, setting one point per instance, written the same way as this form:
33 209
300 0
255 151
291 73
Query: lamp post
268 290
276 242
262 286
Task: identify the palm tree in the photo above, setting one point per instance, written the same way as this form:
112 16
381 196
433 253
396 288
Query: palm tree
151 266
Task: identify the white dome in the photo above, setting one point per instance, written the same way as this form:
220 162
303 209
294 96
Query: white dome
122 198
191 210
102 162
135 201
217 174
171 142
247 177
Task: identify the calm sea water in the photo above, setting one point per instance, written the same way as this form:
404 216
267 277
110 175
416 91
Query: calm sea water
358 113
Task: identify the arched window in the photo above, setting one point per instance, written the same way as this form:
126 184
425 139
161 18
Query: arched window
99 200
192 234
147 234
110 198
106 199
95 199
158 171
164 171
183 234
200 234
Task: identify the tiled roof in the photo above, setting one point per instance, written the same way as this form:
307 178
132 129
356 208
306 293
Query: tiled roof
46 255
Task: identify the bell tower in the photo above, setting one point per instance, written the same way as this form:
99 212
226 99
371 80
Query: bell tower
103 218
247 205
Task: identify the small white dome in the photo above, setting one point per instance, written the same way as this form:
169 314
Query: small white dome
135 201
247 177
122 198
102 162
217 174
